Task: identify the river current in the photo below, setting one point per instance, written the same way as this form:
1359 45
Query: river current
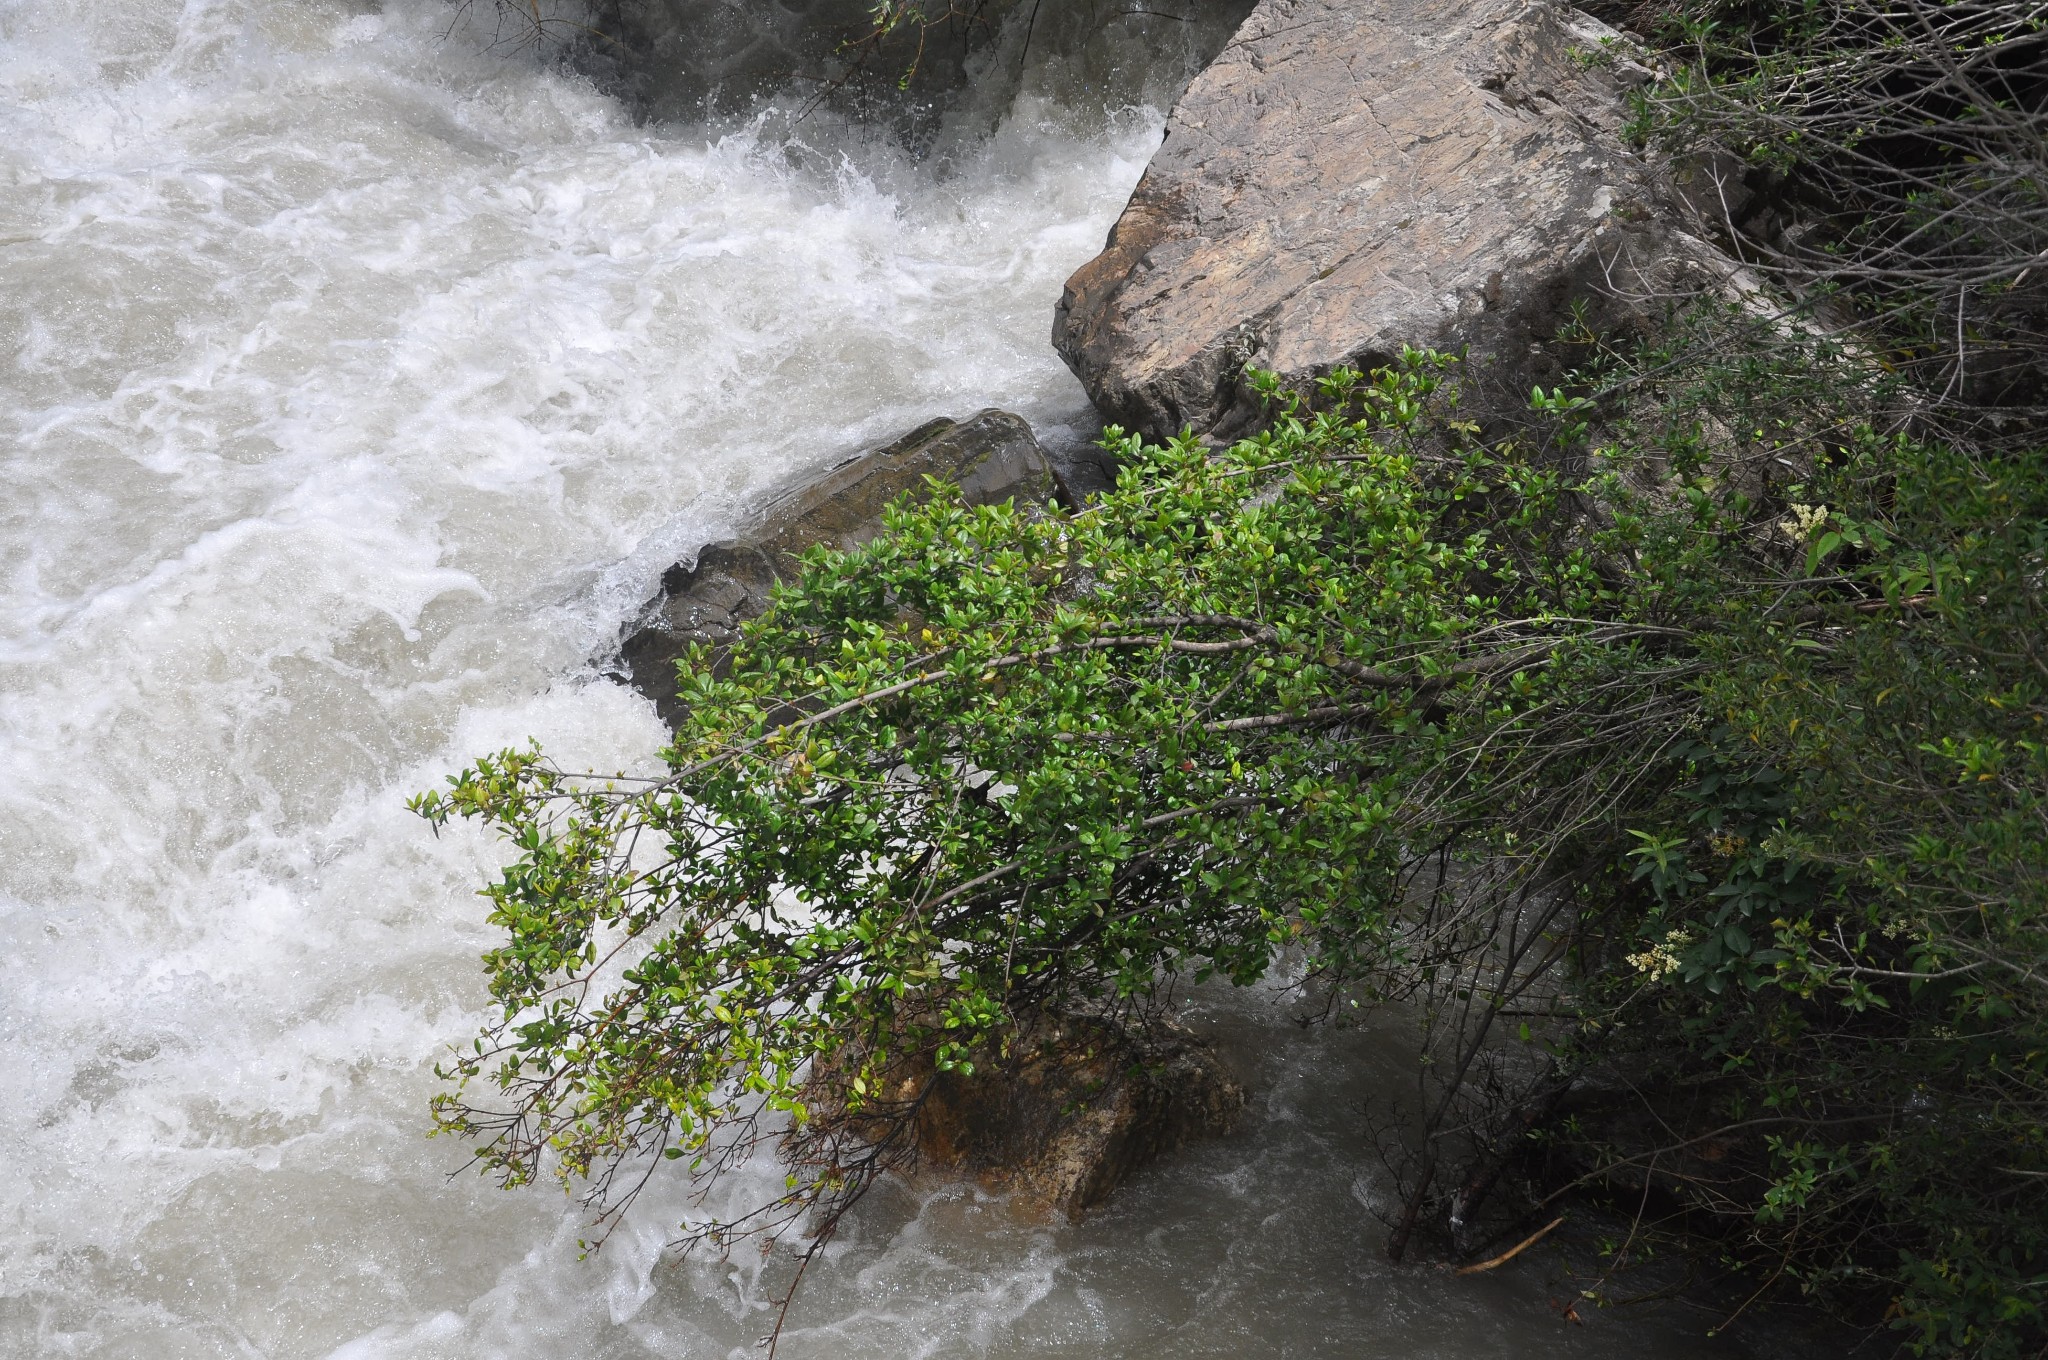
358 381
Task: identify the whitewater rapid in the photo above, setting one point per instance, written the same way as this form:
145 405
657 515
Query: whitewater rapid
359 380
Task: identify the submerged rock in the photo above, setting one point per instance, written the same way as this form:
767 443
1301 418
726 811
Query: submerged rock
991 456
1350 178
1073 1109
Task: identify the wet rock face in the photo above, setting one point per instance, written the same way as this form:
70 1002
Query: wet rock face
1352 176
1077 1106
992 457
684 59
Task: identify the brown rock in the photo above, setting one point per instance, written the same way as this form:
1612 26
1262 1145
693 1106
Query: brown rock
1353 176
991 456
1076 1107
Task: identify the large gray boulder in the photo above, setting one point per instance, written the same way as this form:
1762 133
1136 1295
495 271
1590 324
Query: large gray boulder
1352 176
991 456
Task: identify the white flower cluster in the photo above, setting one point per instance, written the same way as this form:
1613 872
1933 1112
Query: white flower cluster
1660 960
1804 519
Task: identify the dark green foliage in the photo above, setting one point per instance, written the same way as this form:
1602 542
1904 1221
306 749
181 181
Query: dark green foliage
1848 885
1893 168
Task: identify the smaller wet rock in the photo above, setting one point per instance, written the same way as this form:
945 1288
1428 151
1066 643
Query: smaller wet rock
1072 1110
992 456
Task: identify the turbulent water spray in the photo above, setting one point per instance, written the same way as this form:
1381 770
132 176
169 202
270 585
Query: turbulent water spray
361 381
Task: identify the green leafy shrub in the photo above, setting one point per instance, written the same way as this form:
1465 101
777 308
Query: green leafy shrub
1723 752
1848 885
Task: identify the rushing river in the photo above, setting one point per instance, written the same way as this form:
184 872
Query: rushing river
357 382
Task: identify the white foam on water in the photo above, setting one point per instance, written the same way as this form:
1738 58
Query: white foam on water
361 381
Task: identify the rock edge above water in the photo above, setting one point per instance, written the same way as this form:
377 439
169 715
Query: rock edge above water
991 456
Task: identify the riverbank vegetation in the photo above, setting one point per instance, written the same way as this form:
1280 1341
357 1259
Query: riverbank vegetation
1678 755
